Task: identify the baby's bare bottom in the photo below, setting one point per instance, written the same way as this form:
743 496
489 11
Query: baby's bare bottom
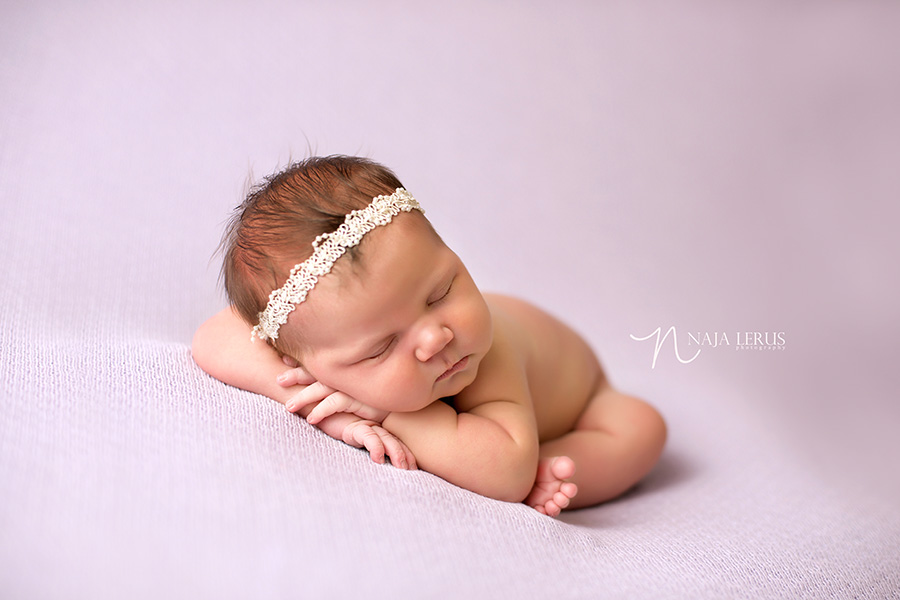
615 442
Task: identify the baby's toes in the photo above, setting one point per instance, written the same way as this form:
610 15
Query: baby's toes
561 467
552 509
561 500
569 489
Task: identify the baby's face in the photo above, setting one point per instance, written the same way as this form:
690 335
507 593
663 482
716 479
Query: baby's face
399 328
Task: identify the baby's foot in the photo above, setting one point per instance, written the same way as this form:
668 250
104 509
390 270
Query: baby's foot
551 492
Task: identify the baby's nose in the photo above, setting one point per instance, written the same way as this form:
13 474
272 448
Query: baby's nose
433 340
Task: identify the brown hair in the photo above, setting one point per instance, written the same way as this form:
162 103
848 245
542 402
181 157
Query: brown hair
274 227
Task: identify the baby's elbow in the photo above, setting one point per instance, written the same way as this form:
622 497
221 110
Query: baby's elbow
203 346
507 488
517 490
199 347
514 475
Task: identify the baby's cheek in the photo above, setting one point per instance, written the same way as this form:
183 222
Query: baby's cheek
400 394
379 401
380 393
394 386
481 324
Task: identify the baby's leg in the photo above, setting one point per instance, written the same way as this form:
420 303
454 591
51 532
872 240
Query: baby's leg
616 441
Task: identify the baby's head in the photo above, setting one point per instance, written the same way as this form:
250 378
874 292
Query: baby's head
275 226
396 321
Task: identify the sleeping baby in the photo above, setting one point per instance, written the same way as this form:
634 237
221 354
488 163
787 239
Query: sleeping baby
347 307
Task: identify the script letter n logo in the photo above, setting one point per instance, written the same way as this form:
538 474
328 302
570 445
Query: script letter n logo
659 344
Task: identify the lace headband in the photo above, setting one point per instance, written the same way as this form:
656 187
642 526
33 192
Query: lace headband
327 248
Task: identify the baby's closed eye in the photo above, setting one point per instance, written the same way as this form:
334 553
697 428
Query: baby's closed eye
445 291
382 350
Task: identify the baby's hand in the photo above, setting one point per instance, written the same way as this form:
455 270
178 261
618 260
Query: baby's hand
379 441
296 375
351 429
329 401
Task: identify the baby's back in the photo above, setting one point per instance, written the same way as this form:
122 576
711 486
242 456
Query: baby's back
563 372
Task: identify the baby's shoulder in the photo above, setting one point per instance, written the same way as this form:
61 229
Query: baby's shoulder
560 367
502 372
548 345
507 303
519 320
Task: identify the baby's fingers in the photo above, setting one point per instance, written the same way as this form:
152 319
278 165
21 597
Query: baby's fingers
341 402
366 436
396 450
336 402
309 395
296 376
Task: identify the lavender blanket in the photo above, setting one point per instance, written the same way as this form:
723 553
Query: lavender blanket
723 174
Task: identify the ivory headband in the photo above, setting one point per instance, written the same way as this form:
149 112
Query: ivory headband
327 248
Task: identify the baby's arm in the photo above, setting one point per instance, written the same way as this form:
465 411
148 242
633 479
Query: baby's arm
222 347
491 450
490 447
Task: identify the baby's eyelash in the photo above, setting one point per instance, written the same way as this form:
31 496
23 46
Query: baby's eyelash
444 295
383 351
